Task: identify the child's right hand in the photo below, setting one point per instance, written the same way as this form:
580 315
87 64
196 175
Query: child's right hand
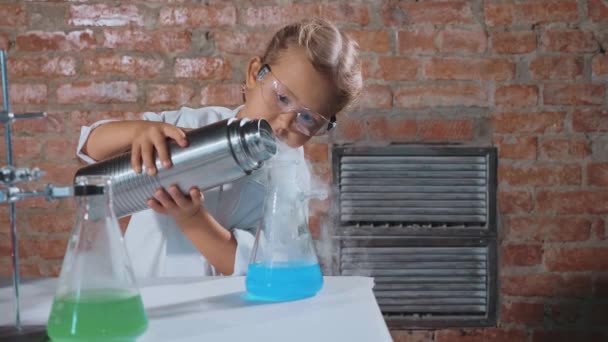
150 140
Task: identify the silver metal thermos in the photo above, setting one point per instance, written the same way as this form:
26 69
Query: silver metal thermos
216 154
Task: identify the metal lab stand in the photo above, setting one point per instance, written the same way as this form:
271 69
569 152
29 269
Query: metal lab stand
10 176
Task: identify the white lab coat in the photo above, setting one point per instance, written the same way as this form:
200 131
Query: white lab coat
156 245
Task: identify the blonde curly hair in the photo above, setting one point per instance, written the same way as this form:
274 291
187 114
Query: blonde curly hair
332 52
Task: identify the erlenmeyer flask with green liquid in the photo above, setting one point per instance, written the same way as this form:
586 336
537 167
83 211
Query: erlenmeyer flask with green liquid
97 298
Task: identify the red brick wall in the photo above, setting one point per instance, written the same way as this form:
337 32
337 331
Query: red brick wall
527 76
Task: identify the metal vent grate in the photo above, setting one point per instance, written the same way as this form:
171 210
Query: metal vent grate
421 221
425 282
432 190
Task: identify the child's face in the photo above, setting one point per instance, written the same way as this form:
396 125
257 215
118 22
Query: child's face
293 86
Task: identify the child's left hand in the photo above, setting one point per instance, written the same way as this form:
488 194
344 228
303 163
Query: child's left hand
174 203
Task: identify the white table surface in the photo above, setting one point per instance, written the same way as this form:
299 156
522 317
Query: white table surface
213 309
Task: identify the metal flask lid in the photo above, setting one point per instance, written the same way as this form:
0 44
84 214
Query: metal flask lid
252 143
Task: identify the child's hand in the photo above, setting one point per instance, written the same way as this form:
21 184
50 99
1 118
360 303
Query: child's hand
151 137
174 203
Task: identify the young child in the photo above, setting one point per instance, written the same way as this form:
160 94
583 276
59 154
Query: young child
309 73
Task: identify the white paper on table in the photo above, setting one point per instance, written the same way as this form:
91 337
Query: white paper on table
215 309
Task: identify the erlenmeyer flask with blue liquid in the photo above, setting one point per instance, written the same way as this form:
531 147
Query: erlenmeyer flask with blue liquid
283 263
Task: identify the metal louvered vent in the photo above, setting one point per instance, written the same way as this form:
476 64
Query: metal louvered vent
415 189
421 221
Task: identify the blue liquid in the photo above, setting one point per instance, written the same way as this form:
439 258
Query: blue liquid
282 281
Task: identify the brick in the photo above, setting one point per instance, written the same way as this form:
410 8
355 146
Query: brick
397 68
124 222
46 249
28 269
12 15
341 13
376 96
97 92
515 202
574 94
48 223
31 93
412 336
445 130
455 94
545 285
597 174
345 13
462 41
576 259
417 41
222 95
104 15
569 41
369 68
534 122
530 12
24 148
380 128
53 123
321 178
147 41
517 95
76 119
4 41
599 228
349 129
556 67
590 120
428 12
51 249
547 229
42 203
513 42
242 43
522 255
539 174
199 16
530 314
169 94
207 68
458 68
27 66
564 149
316 152
5 244
600 285
481 335
602 37
138 67
314 226
567 336
372 41
598 10
55 149
56 41
59 173
599 65
53 269
517 148
565 314
573 202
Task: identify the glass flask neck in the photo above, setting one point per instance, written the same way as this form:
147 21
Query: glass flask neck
94 197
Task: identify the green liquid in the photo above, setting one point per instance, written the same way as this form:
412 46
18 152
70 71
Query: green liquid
97 315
